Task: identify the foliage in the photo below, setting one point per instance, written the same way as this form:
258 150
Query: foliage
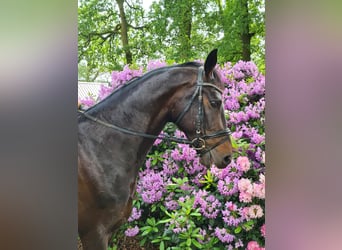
99 36
183 205
239 17
181 30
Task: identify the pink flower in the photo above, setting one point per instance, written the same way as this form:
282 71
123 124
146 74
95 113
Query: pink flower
257 139
263 157
245 185
88 102
215 171
246 190
135 214
244 213
245 197
253 245
237 135
263 230
131 232
243 163
259 190
154 64
105 91
255 211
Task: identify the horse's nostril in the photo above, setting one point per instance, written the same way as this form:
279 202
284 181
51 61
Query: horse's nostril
227 159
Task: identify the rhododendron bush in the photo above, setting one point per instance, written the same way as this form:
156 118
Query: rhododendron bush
182 204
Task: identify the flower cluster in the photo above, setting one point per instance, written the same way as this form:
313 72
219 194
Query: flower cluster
121 77
209 204
135 214
216 208
154 64
232 215
248 190
223 235
228 186
151 186
131 232
253 245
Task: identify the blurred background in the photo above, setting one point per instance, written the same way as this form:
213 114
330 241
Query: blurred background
40 64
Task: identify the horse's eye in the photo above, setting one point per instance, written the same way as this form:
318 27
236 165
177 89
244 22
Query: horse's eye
215 103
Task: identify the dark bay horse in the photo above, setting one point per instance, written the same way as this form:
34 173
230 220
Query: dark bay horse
115 135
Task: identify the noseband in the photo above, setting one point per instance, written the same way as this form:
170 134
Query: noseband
199 142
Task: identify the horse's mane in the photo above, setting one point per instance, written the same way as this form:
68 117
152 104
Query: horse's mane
136 80
159 70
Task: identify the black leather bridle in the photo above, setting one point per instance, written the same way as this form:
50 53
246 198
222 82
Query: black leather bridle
198 143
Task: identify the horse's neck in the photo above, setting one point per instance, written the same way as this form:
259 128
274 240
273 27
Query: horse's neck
138 109
142 108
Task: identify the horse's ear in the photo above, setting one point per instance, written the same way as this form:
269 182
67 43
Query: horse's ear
210 63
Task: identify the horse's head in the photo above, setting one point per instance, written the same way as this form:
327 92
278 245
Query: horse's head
200 115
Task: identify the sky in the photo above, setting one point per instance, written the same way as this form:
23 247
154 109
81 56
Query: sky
147 3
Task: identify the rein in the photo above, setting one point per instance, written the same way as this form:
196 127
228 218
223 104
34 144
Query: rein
135 133
198 143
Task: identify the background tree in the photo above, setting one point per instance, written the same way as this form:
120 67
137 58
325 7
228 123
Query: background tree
186 30
243 25
108 31
118 32
124 32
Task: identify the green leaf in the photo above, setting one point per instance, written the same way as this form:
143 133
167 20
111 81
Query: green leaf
234 143
188 242
195 214
196 244
161 246
163 221
237 230
151 221
142 242
145 228
146 232
198 236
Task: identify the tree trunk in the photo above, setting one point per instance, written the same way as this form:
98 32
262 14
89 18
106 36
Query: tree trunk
245 35
185 29
246 46
124 31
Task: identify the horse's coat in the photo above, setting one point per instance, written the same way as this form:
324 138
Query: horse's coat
108 160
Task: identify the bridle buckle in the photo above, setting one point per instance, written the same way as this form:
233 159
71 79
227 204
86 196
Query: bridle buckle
198 143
